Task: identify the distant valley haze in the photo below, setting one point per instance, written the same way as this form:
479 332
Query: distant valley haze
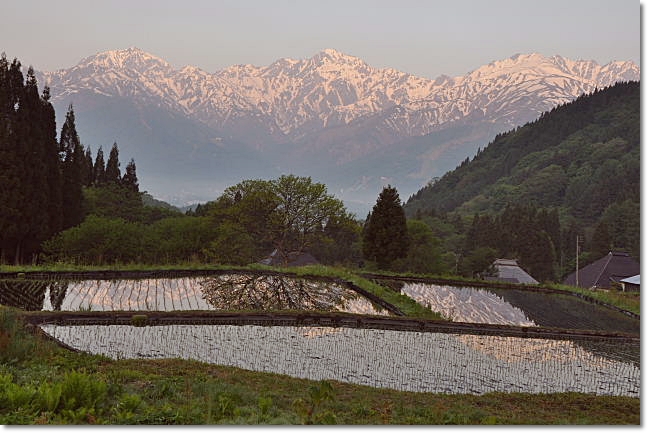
332 116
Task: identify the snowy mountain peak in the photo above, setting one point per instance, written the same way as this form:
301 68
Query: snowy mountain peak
332 110
292 100
129 58
329 54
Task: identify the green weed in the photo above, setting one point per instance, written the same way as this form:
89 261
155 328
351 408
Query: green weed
310 409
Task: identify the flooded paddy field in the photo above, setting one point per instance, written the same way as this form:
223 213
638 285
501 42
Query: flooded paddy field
215 293
518 307
436 357
410 361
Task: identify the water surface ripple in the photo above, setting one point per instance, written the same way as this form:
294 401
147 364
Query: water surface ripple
409 361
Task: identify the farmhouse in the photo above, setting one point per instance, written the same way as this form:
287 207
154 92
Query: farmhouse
631 284
508 270
606 272
294 259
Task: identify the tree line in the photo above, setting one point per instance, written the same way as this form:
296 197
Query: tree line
288 215
62 205
42 179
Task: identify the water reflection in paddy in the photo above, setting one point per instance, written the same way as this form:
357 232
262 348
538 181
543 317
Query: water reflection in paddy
466 304
222 292
411 361
518 307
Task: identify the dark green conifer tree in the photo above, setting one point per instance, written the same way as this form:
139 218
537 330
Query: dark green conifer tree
71 168
129 180
11 162
29 165
385 236
113 175
99 169
87 171
539 258
53 169
33 206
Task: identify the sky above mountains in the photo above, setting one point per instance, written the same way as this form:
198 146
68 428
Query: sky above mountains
426 38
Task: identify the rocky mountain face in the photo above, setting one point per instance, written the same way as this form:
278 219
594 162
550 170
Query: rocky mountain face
332 116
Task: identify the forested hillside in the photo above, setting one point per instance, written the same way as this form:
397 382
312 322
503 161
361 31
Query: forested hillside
581 160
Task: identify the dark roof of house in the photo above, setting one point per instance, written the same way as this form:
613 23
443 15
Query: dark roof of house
509 271
294 259
614 267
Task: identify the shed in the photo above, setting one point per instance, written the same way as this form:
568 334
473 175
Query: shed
508 270
631 284
606 272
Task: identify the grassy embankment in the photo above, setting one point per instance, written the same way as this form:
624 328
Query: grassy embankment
41 383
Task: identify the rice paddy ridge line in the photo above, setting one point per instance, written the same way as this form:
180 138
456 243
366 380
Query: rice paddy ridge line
312 319
498 285
117 275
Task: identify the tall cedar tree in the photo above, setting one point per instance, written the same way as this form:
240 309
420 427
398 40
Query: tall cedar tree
9 175
113 175
29 171
72 163
385 236
129 180
99 169
53 169
87 168
12 163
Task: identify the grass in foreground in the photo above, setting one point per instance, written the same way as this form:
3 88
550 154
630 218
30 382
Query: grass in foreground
41 383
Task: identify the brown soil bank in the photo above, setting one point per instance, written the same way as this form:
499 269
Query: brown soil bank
312 319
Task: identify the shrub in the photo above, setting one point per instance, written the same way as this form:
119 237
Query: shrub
82 390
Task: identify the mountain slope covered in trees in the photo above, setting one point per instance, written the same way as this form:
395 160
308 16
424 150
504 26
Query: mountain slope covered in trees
581 159
550 161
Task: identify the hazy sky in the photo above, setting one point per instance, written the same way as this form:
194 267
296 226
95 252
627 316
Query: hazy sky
426 37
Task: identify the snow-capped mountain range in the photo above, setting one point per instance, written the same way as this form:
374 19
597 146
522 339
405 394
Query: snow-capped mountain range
332 109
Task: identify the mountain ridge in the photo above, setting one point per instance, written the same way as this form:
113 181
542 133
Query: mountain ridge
330 109
345 88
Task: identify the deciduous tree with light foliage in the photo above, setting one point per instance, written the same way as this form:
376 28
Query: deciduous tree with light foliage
288 214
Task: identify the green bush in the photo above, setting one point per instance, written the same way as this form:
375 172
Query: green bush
14 396
82 390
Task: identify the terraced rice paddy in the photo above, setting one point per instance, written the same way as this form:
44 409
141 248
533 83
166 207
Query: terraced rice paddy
450 361
518 307
222 292
411 361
